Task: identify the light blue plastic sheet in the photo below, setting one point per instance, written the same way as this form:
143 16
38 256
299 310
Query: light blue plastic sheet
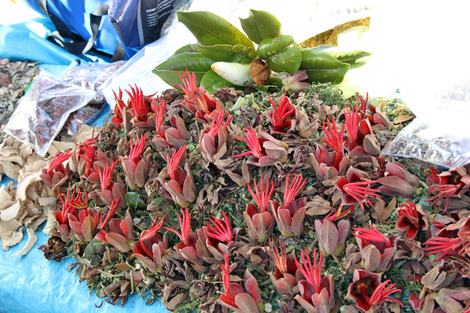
33 284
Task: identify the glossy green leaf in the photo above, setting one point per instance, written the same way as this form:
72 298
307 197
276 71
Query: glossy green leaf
211 81
193 62
210 29
322 67
190 47
355 58
274 83
282 53
260 25
228 53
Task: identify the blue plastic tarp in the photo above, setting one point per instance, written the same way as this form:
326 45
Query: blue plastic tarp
33 284
27 41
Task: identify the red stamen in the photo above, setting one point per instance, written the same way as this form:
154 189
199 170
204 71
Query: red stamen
175 161
262 196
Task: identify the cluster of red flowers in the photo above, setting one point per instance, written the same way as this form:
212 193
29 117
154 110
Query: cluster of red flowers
344 168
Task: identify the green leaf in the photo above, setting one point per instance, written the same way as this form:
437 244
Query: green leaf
322 67
135 201
282 53
261 25
190 47
355 58
210 29
90 257
212 81
193 62
228 53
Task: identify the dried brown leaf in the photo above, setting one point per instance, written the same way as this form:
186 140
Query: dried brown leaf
318 206
382 213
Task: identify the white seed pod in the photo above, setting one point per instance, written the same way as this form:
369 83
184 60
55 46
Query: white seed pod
236 73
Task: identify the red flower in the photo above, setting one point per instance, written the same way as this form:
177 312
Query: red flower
87 151
451 241
377 249
259 221
106 176
316 292
367 292
236 297
121 232
217 123
222 231
118 107
265 149
56 163
293 189
151 251
173 136
355 188
85 225
352 123
282 116
285 267
185 224
262 195
62 217
214 139
335 140
154 228
433 176
135 154
372 235
111 212
290 216
139 104
253 142
452 184
312 273
178 184
411 219
197 100
173 163
159 115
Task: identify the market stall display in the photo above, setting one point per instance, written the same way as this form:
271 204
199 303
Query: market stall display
247 188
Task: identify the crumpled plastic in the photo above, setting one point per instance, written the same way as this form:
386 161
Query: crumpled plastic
43 110
437 135
89 76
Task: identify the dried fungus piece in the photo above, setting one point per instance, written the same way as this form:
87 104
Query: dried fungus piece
32 239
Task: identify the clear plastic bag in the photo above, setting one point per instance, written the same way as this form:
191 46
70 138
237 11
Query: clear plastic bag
43 110
437 135
91 76
80 117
